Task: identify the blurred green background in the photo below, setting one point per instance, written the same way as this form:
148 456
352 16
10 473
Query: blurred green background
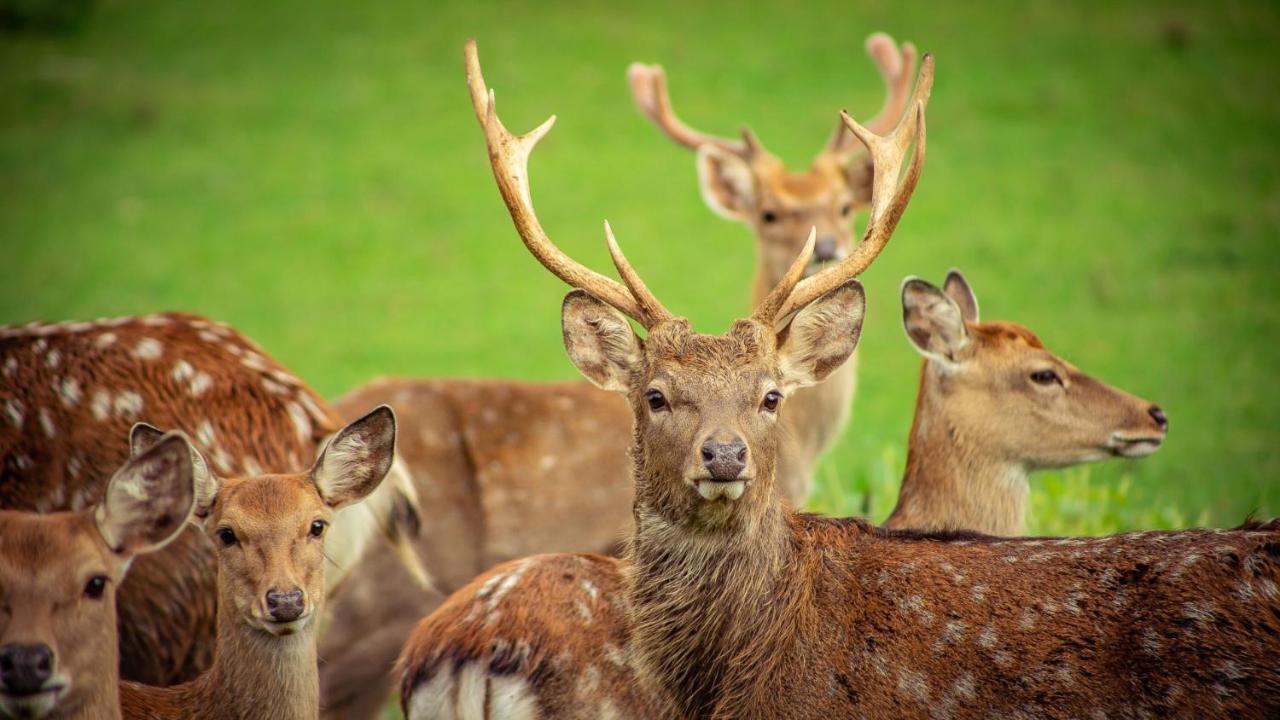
1105 173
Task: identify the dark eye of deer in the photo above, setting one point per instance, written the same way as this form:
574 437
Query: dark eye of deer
1044 377
848 208
656 400
769 216
96 586
227 536
771 400
317 528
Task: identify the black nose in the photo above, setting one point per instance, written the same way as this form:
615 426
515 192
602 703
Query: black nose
1158 415
24 669
825 249
724 460
285 606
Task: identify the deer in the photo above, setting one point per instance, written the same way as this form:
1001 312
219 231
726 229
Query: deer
60 573
557 622
270 533
493 467
734 605
68 390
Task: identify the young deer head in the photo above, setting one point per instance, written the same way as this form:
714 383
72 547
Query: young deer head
740 180
58 578
995 404
705 406
268 530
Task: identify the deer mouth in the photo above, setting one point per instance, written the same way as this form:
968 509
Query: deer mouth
1134 446
711 489
33 704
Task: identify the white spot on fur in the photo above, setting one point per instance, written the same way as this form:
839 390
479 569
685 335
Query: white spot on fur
979 592
148 349
251 466
590 588
987 638
14 410
208 337
68 390
254 361
46 423
182 371
41 345
204 433
22 461
301 422
155 320
274 387
914 685
53 359
100 404
200 383
583 610
615 655
106 339
1199 612
1028 619
547 462
963 687
128 404
73 469
10 366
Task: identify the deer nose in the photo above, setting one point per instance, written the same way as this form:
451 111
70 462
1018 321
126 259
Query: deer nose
285 606
824 250
1158 415
725 460
24 669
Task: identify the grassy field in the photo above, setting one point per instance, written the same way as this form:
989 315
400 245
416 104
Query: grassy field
1107 174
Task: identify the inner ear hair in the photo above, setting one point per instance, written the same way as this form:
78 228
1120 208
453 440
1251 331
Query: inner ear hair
934 323
958 289
728 186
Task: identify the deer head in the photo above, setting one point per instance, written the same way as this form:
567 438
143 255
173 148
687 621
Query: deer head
59 573
705 406
268 530
1050 414
741 180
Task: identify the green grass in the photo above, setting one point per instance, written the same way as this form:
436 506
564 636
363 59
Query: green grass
311 172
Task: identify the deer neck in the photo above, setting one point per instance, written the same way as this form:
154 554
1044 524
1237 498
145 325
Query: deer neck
258 675
101 702
954 479
811 420
708 604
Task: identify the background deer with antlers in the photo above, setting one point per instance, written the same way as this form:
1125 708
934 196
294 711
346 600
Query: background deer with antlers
490 454
70 393
741 607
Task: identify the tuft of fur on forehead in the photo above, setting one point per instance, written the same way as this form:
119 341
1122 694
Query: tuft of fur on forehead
31 543
266 497
676 342
992 333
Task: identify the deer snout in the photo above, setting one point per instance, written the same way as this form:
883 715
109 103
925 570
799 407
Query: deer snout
24 669
1162 421
725 459
826 249
286 606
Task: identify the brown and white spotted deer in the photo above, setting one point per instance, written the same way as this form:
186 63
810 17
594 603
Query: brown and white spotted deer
59 576
734 605
69 392
270 533
493 451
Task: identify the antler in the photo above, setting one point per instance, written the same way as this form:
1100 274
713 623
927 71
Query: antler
649 88
896 66
888 198
509 156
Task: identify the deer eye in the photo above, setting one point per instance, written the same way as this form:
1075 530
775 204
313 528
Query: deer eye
227 536
317 528
1045 377
656 400
96 586
848 208
771 400
769 216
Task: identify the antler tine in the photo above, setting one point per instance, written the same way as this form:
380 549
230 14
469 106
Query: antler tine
509 157
647 301
888 198
897 68
767 311
649 88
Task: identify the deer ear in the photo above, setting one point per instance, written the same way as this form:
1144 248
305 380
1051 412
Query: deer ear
356 459
933 321
149 499
959 290
599 340
726 181
142 437
822 336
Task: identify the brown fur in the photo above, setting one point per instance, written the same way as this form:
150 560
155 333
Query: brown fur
71 391
264 669
748 609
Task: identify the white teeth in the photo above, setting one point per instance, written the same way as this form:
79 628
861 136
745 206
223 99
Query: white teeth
710 489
